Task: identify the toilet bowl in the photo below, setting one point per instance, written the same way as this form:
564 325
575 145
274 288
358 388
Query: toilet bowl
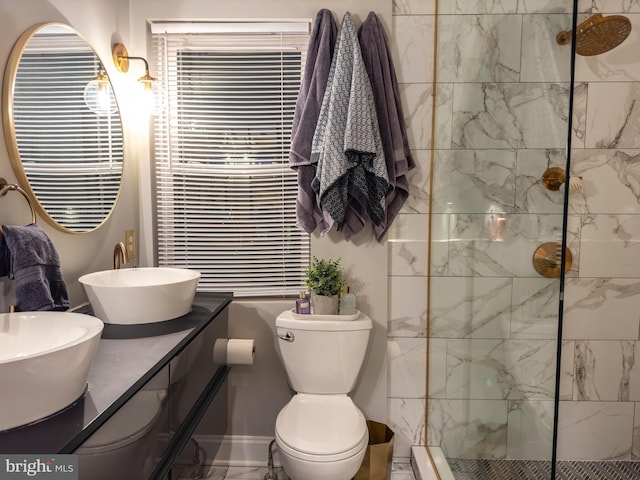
321 434
122 447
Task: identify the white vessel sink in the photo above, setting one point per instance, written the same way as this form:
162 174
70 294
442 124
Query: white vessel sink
44 363
131 296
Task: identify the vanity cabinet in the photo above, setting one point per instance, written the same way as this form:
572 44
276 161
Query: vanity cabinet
198 385
128 445
143 439
149 387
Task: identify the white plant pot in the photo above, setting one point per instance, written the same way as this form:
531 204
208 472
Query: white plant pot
324 305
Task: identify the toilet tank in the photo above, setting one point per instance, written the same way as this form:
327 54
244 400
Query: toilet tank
322 356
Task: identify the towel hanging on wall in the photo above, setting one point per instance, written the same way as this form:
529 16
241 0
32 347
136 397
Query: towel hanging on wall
379 64
351 169
308 104
34 264
4 257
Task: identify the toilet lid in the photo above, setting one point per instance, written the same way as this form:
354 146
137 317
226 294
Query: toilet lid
321 424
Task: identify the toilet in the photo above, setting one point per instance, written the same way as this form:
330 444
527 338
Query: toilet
321 434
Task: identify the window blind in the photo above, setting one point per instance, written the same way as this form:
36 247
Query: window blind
225 195
71 156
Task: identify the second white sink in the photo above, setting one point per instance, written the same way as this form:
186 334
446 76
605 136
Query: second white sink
131 296
44 363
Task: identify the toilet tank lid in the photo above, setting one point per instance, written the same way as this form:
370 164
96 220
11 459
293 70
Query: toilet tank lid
321 424
287 320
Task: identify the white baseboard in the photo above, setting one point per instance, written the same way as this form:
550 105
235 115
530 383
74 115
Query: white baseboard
234 451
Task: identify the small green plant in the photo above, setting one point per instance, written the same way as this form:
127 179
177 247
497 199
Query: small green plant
325 277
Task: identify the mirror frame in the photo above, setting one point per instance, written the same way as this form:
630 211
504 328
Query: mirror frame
8 123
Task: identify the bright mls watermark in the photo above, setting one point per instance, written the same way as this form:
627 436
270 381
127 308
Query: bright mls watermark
49 467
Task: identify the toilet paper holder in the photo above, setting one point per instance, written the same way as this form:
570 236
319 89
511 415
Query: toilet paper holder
234 351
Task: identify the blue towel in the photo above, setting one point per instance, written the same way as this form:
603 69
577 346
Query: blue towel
34 264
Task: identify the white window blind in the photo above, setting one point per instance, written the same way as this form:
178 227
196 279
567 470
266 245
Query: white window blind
71 156
225 195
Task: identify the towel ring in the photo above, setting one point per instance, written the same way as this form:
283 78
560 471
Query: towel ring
5 187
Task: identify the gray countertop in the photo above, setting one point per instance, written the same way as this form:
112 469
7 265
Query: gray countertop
127 357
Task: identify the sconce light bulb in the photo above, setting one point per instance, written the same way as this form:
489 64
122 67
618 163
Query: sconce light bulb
98 95
148 97
147 80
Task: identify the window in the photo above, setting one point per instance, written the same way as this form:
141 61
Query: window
225 195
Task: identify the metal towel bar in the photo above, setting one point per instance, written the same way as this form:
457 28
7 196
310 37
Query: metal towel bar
5 187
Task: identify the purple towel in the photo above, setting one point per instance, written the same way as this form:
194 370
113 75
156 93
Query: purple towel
34 264
379 65
314 83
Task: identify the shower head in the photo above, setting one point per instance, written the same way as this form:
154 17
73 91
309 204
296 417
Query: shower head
598 34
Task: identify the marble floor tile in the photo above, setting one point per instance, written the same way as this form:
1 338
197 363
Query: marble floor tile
189 472
252 473
401 471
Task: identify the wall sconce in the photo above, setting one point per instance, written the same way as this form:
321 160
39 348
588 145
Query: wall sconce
98 95
121 59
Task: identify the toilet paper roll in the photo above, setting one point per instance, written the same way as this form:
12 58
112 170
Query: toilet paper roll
234 351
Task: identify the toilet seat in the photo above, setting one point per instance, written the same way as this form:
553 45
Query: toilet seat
325 459
321 428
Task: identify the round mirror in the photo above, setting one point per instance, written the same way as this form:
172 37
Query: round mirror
62 127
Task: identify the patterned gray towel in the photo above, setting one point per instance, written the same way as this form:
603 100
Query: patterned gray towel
351 164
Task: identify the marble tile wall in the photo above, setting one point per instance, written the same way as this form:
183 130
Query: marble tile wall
412 49
500 123
600 388
501 120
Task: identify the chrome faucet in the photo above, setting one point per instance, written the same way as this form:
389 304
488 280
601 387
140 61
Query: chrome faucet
120 252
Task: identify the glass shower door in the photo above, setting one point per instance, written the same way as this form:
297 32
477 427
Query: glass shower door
501 126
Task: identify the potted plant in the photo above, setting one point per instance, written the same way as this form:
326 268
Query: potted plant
325 278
